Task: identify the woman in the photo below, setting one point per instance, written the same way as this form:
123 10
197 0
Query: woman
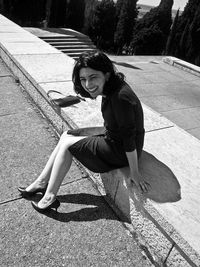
120 145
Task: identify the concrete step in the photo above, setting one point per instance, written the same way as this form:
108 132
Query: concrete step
75 55
65 38
70 43
72 49
69 40
73 46
79 46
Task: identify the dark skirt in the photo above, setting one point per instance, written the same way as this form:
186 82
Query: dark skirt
98 153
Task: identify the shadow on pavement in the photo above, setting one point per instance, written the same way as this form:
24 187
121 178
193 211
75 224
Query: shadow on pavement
100 211
126 65
164 184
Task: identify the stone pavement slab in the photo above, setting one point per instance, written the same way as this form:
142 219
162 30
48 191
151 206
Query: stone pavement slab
168 88
194 132
7 98
84 232
42 67
11 37
186 114
24 48
185 212
22 133
172 102
10 28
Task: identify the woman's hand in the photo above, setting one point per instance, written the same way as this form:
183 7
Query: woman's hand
141 184
135 176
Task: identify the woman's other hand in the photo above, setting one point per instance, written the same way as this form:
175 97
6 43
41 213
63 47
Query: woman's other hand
140 183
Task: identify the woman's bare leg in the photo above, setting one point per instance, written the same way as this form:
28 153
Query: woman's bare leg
61 166
44 177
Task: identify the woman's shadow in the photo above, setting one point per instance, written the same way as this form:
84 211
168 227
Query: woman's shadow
164 187
164 184
98 208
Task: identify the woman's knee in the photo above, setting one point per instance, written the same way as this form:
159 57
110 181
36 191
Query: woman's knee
66 140
64 135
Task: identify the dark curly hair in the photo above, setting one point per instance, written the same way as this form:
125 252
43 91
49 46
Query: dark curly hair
98 61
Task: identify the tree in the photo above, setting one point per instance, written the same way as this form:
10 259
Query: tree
158 22
102 24
74 16
47 13
193 53
145 40
126 13
57 13
25 13
171 37
187 36
90 6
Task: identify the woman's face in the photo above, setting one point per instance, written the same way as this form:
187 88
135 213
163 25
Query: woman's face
93 81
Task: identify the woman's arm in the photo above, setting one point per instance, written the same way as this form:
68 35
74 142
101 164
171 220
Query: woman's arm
135 175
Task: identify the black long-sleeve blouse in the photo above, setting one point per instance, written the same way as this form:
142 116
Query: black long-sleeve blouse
123 118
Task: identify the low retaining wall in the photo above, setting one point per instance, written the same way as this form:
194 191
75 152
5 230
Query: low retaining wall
181 64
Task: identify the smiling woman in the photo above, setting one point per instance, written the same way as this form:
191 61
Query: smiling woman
93 81
118 145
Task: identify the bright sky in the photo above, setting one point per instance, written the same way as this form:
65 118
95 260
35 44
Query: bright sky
177 3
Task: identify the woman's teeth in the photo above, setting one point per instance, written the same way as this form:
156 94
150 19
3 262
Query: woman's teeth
92 90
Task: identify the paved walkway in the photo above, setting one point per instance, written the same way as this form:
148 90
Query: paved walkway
170 91
84 232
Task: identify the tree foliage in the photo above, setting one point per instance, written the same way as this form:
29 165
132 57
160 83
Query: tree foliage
158 22
90 6
171 37
150 41
102 24
74 16
57 13
23 12
186 38
126 14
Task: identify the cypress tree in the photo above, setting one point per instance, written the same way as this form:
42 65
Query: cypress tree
90 6
183 43
193 53
126 13
102 24
25 13
158 22
171 37
57 13
74 16
47 13
187 37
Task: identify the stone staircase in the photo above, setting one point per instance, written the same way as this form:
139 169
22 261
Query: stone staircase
72 45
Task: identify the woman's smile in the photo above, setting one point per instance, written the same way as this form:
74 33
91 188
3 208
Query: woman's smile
93 81
92 90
